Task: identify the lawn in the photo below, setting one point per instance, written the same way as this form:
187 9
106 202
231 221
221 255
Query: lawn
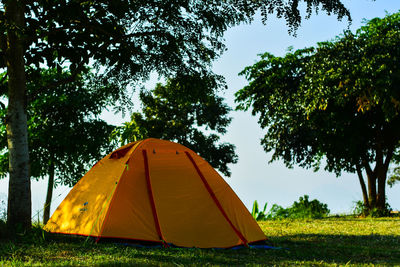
331 241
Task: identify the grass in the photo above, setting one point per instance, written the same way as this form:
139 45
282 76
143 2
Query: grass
332 241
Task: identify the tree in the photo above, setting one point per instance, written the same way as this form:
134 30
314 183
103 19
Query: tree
187 110
65 134
126 40
337 101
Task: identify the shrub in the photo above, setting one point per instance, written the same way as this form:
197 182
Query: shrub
301 209
361 210
309 209
257 214
278 212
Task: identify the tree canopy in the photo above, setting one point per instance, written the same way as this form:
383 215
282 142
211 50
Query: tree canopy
124 40
187 110
338 101
133 38
65 134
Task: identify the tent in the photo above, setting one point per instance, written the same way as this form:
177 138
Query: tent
158 191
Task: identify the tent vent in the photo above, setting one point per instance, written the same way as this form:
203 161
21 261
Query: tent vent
120 152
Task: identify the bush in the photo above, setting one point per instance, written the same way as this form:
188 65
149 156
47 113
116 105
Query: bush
277 212
301 209
309 209
361 210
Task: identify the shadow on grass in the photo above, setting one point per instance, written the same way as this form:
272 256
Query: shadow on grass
302 249
341 248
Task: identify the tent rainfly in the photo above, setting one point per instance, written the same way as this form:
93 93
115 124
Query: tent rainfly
157 191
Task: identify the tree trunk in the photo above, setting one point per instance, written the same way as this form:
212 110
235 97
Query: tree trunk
381 197
377 179
363 187
19 191
371 176
382 176
49 195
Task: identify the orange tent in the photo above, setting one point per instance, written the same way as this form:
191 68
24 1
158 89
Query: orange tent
159 191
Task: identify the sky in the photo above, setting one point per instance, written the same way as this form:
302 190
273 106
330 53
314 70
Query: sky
253 177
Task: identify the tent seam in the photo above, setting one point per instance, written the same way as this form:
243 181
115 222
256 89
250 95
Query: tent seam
151 198
214 197
113 194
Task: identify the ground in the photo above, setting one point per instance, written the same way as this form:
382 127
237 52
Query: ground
331 241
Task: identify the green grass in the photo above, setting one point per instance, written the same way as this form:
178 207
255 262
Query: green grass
331 241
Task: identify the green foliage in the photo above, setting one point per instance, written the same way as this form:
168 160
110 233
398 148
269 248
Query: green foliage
394 176
361 210
188 110
131 39
338 101
278 212
329 100
35 236
125 40
309 209
258 215
299 210
63 125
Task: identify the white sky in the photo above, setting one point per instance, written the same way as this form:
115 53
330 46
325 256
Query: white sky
252 177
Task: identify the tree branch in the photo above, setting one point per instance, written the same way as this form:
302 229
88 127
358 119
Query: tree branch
378 155
95 28
3 78
55 84
3 45
363 187
72 77
368 169
388 159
